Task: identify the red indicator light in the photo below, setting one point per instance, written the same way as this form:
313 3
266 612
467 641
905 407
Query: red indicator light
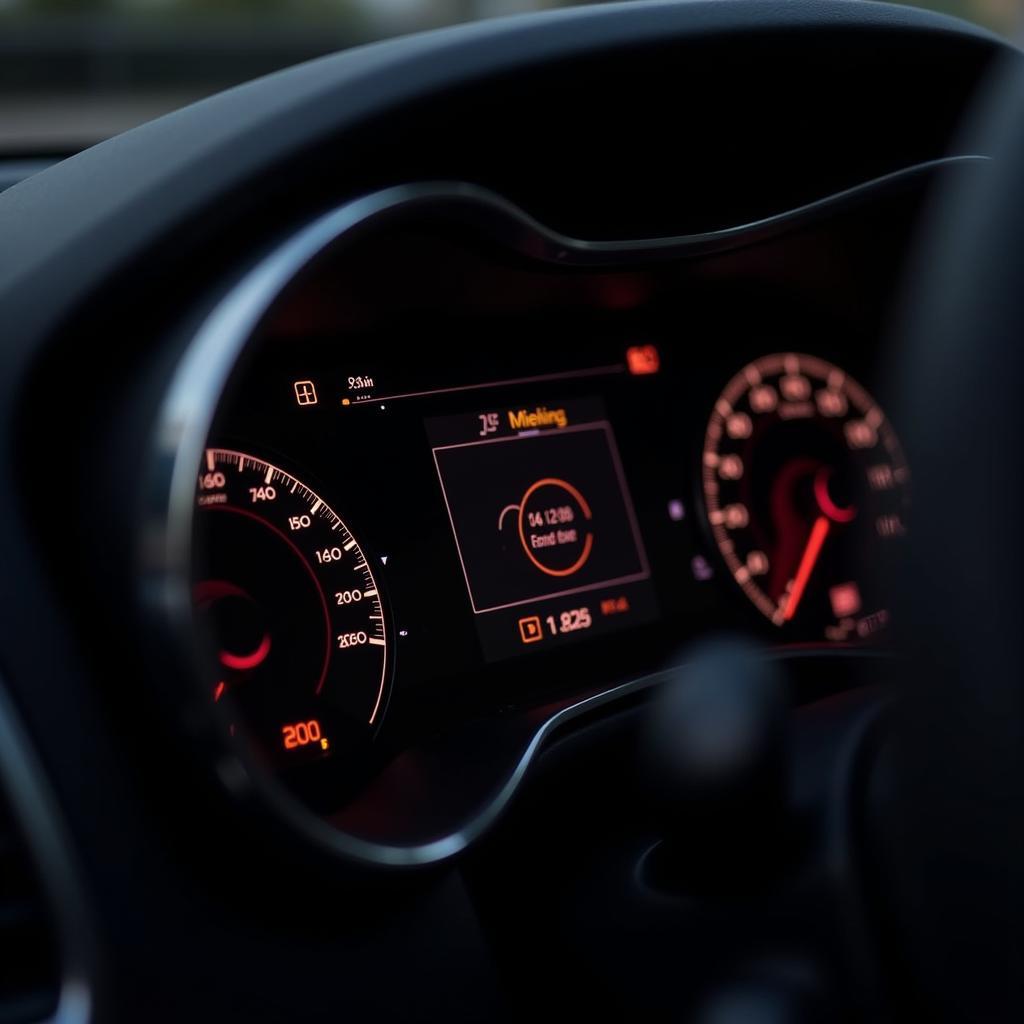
615 605
245 662
643 359
845 600
301 734
218 691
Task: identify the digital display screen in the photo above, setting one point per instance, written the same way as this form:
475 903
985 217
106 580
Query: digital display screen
543 523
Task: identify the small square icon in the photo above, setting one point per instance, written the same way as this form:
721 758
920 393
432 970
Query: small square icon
845 600
305 392
530 629
643 359
701 569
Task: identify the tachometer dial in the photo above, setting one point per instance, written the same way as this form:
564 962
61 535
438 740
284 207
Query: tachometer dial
805 484
294 611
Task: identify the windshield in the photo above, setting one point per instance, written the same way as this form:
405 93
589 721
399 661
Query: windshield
73 72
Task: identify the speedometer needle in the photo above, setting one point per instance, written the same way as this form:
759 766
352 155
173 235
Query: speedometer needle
810 558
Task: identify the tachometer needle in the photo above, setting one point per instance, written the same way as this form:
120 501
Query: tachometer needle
810 557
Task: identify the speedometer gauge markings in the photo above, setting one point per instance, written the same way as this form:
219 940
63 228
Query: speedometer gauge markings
805 489
292 605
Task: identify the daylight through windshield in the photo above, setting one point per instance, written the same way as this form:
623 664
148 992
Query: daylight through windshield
73 72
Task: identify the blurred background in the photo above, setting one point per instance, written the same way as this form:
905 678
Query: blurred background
73 72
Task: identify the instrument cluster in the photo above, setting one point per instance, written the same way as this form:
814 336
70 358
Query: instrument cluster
460 469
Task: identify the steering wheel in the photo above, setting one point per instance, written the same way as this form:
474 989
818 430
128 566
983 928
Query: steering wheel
950 833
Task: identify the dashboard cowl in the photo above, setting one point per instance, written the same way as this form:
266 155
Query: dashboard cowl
315 127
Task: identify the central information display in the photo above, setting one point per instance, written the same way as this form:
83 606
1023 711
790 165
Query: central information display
543 523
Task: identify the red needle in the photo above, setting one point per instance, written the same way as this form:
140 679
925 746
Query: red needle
810 557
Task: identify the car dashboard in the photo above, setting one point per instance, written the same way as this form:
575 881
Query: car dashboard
417 427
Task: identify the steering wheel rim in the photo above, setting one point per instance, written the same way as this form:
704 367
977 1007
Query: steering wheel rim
951 837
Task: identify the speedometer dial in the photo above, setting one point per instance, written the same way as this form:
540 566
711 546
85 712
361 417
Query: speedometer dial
294 611
805 484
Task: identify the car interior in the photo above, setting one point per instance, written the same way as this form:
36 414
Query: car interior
518 519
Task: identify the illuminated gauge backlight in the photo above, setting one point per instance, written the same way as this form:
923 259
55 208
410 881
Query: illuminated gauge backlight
806 489
293 610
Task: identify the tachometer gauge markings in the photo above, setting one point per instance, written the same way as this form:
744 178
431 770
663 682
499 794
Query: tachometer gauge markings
292 606
805 485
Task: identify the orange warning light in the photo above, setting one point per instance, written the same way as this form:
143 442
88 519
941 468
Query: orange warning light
643 359
530 629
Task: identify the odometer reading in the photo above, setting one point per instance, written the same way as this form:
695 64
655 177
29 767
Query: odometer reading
294 611
805 485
